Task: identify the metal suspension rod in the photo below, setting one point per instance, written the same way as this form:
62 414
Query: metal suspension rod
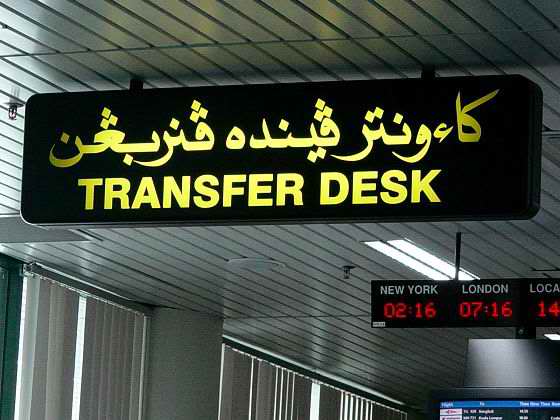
457 254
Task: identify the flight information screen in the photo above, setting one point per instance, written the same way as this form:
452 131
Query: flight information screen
500 410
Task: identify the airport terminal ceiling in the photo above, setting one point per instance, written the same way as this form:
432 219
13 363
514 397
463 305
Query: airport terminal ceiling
306 307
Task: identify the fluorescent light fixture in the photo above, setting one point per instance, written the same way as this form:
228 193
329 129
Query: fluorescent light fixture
418 259
430 259
405 259
555 337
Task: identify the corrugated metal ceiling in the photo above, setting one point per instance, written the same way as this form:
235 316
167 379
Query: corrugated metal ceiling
306 310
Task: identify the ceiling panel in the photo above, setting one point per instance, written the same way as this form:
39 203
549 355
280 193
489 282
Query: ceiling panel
390 52
78 33
164 20
141 69
184 71
205 24
306 309
275 22
341 19
340 67
379 19
20 42
50 74
313 70
412 16
93 22
204 66
547 9
84 76
114 73
524 14
228 16
485 14
364 59
38 31
298 13
267 63
233 64
20 77
127 21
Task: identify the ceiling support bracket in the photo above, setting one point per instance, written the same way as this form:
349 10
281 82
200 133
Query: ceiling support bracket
136 84
428 72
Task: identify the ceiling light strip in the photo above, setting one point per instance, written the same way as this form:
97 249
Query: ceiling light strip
554 337
430 259
407 253
407 260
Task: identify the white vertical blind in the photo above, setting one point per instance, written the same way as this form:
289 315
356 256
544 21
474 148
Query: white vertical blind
48 351
112 363
329 404
353 407
236 386
265 392
109 354
302 398
253 389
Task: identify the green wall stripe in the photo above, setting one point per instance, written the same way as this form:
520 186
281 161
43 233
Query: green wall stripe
11 283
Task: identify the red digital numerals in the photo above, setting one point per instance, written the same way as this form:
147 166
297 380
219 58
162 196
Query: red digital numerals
401 310
549 310
478 310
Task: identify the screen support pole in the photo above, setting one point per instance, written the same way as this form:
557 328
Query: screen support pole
457 254
428 72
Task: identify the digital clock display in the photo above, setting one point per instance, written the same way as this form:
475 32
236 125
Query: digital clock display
543 302
408 304
479 303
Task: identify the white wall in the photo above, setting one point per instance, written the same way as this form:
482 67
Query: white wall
184 366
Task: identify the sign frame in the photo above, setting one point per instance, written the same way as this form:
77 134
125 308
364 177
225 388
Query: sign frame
58 196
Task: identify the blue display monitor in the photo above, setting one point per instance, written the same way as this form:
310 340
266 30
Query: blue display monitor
495 404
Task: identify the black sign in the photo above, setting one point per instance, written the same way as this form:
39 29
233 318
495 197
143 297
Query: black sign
392 150
406 304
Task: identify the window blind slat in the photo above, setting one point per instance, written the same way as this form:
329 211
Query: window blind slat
265 392
53 351
136 367
111 380
254 388
111 352
115 365
38 397
302 398
227 380
270 392
241 387
61 352
127 334
92 360
329 405
28 348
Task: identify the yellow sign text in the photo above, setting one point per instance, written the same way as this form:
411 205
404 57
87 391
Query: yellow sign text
259 190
